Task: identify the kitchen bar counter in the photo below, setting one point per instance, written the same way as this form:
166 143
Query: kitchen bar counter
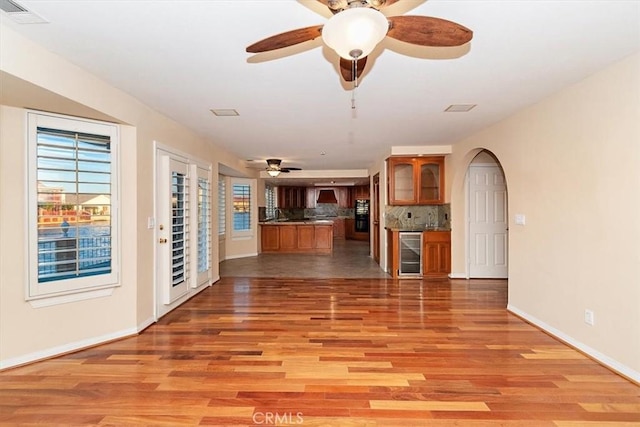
297 236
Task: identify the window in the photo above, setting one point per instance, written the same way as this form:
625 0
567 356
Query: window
222 206
73 199
204 225
241 207
270 198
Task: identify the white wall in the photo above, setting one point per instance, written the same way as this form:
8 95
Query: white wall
572 165
35 78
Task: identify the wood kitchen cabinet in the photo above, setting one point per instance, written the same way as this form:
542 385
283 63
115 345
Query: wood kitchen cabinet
324 239
416 180
350 228
437 253
361 192
270 238
338 228
292 197
297 238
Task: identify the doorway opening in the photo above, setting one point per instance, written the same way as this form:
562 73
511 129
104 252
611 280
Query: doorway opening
488 231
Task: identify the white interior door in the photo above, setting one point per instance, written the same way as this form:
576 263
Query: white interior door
172 230
488 226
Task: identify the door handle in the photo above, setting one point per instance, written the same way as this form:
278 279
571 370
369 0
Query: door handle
163 240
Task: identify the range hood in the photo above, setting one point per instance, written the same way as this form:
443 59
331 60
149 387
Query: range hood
327 196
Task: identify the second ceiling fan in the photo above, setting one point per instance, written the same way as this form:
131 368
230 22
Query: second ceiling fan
357 26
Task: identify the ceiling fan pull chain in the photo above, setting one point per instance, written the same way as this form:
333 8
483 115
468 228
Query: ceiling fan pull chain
354 70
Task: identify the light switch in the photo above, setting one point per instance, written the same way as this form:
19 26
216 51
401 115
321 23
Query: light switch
520 219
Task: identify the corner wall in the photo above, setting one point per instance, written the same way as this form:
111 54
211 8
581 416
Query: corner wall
33 77
572 164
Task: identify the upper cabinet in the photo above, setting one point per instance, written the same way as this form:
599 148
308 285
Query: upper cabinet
292 197
416 180
361 192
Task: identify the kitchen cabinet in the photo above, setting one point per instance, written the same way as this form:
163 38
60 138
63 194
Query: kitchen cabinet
297 237
306 236
437 253
338 228
270 239
350 228
435 257
416 180
324 239
292 197
361 192
350 232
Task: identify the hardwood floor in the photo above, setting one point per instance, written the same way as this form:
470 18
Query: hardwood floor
335 352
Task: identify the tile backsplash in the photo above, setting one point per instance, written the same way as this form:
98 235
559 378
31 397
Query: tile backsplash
421 216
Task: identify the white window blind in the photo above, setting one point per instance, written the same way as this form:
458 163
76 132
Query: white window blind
222 206
204 222
241 207
179 227
72 199
270 198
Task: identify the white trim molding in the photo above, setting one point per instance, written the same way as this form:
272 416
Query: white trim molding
594 354
67 348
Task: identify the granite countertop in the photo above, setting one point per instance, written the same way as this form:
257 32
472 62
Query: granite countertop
415 228
308 221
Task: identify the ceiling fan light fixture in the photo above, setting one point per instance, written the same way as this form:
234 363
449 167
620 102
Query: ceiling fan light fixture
273 172
354 33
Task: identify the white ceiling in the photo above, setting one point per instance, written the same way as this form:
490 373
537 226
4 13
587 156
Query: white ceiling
186 57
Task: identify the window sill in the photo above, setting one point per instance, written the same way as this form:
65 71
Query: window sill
74 297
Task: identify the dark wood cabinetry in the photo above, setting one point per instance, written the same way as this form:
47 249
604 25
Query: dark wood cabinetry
360 192
416 180
292 197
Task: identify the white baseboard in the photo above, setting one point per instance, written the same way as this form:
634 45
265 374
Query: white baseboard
458 276
145 324
602 358
68 348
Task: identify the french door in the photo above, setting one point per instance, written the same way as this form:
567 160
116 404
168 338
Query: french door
172 230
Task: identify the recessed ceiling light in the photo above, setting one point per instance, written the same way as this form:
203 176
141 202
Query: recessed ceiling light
225 112
459 108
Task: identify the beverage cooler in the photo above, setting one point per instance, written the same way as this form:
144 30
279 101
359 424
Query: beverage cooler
410 262
362 216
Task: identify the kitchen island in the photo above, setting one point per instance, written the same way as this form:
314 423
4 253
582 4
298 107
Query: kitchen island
297 236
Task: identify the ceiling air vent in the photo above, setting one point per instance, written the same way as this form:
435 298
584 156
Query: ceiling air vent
19 14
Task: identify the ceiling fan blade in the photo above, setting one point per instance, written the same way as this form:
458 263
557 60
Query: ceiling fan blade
428 31
290 38
289 169
346 68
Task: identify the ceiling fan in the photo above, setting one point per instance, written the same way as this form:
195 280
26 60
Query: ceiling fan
357 26
274 169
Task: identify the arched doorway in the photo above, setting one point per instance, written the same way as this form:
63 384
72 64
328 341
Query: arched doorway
487 218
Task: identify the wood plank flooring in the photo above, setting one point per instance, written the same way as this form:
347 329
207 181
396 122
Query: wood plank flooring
331 352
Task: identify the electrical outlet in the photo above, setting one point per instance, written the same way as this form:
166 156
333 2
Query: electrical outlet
409 215
589 318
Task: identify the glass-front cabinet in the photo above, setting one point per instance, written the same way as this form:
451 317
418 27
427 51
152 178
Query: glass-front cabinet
416 180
